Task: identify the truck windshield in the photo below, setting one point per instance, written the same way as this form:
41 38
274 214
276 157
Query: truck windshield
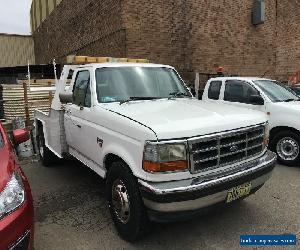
119 84
276 91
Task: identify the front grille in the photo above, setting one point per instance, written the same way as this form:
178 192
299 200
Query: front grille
210 152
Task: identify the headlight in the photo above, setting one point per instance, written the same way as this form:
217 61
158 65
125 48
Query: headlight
165 157
12 196
266 135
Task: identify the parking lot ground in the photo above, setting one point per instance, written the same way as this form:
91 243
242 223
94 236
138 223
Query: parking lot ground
71 213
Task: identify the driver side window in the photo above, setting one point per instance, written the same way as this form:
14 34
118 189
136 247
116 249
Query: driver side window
239 91
81 90
214 90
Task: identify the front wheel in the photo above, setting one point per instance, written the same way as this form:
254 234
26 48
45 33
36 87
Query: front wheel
125 204
286 144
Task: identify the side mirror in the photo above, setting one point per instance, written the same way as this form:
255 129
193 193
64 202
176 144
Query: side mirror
66 97
20 136
256 100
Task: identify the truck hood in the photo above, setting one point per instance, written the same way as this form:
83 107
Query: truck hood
295 106
184 117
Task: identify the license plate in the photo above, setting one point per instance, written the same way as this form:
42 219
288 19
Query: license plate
238 192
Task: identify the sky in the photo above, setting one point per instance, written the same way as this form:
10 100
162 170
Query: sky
15 16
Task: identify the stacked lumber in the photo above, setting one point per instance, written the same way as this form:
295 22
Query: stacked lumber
20 102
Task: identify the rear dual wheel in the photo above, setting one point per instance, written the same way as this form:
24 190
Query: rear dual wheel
46 155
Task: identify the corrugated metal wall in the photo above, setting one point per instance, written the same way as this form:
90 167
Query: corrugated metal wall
40 10
16 50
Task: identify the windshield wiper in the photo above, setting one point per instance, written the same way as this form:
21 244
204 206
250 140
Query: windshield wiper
177 94
290 100
138 98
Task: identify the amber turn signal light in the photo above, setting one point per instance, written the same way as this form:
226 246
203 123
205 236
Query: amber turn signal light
165 166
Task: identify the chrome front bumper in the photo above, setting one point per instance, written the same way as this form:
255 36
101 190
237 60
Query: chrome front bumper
197 193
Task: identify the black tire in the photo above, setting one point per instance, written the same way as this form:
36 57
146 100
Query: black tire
46 155
134 226
292 142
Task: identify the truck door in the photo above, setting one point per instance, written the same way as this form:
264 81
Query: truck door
242 94
75 119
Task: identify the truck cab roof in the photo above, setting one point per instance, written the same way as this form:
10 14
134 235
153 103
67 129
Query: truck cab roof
239 78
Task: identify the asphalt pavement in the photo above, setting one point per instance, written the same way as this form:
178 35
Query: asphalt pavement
71 213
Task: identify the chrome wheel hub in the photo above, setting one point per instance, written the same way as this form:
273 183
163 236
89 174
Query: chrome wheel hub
120 201
41 148
288 149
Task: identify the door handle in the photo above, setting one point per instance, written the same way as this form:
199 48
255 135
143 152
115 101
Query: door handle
79 126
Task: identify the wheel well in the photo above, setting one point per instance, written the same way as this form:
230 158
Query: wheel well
277 130
39 124
110 158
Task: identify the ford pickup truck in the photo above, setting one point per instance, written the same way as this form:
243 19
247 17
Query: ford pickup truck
165 156
280 103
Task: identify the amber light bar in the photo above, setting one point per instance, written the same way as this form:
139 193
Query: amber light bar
72 59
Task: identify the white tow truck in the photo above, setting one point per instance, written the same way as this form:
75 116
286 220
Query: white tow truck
165 155
277 101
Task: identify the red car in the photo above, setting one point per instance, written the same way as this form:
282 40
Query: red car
16 205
